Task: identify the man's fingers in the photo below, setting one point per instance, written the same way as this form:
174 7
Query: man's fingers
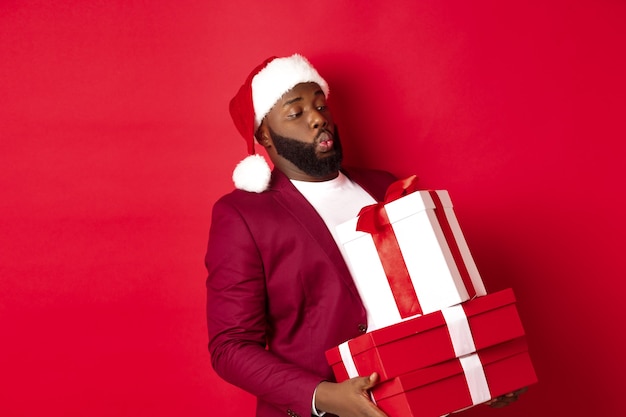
373 378
368 382
506 399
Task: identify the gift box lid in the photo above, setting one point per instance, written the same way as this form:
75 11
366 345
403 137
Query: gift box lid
417 202
397 210
427 322
448 369
333 356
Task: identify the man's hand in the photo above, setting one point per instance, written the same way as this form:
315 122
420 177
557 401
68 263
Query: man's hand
507 399
348 398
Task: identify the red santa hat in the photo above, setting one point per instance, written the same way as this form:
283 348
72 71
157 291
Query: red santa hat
265 85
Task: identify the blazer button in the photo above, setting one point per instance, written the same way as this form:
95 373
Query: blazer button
362 328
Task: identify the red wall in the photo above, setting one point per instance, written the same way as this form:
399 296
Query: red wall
116 141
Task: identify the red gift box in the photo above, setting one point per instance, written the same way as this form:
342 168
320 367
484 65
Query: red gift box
430 339
454 385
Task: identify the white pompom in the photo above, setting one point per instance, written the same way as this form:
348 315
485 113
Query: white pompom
252 174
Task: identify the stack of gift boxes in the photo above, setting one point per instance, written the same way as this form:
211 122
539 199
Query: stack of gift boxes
438 341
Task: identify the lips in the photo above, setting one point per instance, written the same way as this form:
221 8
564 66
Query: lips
325 141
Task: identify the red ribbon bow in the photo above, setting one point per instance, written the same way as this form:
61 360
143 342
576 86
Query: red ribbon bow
373 219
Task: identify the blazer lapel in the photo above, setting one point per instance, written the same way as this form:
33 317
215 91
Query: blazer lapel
286 194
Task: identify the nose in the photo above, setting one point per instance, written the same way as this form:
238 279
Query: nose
318 120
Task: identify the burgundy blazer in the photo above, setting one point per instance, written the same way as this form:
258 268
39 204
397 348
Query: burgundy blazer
279 293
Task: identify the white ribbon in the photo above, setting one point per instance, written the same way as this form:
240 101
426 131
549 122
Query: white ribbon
475 378
464 349
348 362
459 330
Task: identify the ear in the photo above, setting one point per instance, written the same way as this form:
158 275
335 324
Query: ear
263 136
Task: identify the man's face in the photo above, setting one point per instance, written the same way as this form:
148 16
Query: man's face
300 136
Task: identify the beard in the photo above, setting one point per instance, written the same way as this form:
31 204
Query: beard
304 157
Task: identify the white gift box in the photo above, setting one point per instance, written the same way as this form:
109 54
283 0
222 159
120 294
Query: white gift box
440 271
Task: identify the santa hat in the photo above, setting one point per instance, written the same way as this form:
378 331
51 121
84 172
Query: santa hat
265 85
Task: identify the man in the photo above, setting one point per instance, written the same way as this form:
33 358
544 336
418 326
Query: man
279 291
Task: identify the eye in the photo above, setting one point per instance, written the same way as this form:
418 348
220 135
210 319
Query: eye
321 108
293 115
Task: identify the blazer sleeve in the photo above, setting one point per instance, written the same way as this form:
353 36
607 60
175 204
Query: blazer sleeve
236 318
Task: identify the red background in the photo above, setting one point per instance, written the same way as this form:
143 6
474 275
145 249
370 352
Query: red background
116 141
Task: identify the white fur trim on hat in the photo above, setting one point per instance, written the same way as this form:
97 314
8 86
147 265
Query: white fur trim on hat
252 174
277 78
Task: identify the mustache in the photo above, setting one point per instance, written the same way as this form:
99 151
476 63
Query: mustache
323 130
